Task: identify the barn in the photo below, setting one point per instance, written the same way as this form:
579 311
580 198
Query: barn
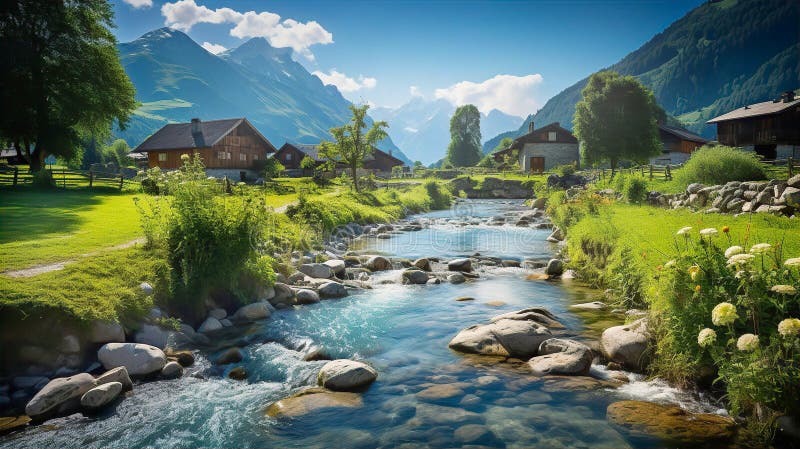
229 147
543 149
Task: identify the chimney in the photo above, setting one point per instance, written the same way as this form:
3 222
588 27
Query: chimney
530 127
787 96
197 134
557 124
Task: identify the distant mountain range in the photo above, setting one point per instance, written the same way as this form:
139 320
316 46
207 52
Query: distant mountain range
720 56
176 79
422 127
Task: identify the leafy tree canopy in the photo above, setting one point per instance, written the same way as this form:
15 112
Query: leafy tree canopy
617 118
353 141
465 137
61 78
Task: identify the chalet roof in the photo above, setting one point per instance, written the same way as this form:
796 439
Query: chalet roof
683 134
562 136
178 136
755 110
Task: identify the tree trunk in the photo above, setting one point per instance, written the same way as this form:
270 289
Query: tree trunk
37 159
613 162
354 170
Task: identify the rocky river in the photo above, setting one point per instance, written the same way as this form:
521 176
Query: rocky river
426 394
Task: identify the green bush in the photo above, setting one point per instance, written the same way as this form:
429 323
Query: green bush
720 164
564 170
635 190
733 309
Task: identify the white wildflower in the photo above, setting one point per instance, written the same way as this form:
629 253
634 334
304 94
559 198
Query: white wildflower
793 262
684 230
784 289
723 314
708 232
760 248
740 259
706 337
733 250
790 327
747 342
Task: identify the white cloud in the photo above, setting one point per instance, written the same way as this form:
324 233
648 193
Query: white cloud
213 48
344 83
516 95
139 4
184 14
410 129
415 92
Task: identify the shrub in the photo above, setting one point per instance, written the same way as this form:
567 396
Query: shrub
720 164
732 312
564 170
43 178
635 190
272 168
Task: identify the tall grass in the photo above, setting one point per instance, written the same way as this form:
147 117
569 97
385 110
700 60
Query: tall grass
720 164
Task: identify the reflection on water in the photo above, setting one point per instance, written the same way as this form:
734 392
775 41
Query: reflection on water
403 332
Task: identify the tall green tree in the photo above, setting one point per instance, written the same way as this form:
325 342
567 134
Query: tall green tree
61 77
465 137
617 118
354 142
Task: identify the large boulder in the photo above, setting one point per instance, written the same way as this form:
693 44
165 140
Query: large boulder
118 374
306 296
211 324
316 270
152 335
346 375
101 395
172 370
139 359
649 423
555 267
337 266
313 400
794 181
791 195
378 263
537 314
58 392
464 265
511 338
252 312
626 344
562 356
284 296
332 290
106 332
456 278
423 264
415 276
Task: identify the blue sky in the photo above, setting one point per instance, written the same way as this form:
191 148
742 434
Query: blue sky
509 54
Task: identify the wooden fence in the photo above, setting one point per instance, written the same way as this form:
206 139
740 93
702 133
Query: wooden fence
64 178
782 168
651 171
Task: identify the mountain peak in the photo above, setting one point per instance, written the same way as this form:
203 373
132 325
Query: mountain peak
259 46
163 33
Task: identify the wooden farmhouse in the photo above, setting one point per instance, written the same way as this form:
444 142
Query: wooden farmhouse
771 128
543 149
230 147
290 155
677 145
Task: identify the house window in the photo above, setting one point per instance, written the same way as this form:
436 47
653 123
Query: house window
242 157
288 156
551 136
162 157
223 155
255 157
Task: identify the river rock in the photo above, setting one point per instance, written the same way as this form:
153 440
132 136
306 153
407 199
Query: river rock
10 423
316 270
332 290
378 263
626 344
440 392
231 355
511 338
57 392
478 435
594 305
337 266
414 276
561 356
152 335
211 324
537 314
464 264
101 395
218 313
306 296
648 422
69 345
138 358
251 312
118 374
456 278
172 370
555 267
238 373
423 264
313 400
346 375
185 358
106 332
284 296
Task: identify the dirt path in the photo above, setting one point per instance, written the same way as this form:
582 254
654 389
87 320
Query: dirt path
46 268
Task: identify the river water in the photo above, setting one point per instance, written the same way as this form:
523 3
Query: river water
403 332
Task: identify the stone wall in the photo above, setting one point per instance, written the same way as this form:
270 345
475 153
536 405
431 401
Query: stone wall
492 188
554 154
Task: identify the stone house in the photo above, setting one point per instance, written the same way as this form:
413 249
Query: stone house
543 149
